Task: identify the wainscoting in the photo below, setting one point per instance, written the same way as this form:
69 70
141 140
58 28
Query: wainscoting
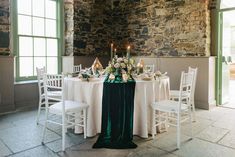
205 85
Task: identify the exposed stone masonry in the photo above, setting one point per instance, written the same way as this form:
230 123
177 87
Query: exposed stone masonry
213 4
4 27
151 27
163 27
92 27
69 26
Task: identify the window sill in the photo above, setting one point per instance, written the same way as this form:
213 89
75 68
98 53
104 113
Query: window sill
26 82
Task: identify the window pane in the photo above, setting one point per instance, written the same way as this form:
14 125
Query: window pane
24 7
52 65
51 28
37 36
24 25
26 66
25 46
39 62
38 26
39 47
38 8
52 47
51 9
227 4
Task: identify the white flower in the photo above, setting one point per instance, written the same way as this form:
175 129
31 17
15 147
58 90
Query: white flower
80 75
158 73
123 71
125 60
129 67
111 77
124 77
119 59
123 65
117 65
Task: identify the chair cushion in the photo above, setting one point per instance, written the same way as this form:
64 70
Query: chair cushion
169 106
54 93
176 94
70 106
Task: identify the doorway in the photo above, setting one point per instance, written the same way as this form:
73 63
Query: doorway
227 60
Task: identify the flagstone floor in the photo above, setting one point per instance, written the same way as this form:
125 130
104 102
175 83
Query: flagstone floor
231 103
214 136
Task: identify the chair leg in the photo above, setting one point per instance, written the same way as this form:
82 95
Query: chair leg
85 122
190 121
178 130
166 123
63 132
193 108
45 127
153 124
66 123
39 109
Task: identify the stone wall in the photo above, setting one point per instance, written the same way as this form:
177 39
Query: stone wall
4 27
151 27
163 27
69 26
92 27
213 4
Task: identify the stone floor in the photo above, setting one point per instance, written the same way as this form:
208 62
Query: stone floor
214 136
231 103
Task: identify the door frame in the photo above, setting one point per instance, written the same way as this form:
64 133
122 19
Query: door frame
219 15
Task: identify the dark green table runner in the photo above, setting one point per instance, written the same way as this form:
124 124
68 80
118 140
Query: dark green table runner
117 116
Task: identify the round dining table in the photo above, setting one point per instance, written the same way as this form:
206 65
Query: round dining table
91 93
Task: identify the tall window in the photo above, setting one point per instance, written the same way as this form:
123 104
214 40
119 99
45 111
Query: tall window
37 37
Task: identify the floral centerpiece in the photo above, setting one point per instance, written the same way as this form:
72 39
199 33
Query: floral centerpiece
159 74
85 75
120 69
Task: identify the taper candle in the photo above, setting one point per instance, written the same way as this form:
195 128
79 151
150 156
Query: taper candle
111 51
128 51
115 52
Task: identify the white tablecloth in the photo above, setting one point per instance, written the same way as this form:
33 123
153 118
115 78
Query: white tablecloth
91 93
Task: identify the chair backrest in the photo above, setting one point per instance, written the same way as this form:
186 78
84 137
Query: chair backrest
77 68
150 67
194 71
186 84
53 82
40 74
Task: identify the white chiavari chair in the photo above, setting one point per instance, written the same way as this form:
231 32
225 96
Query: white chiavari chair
77 111
174 94
172 112
77 68
55 95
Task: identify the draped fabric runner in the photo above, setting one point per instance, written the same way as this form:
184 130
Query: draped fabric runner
117 115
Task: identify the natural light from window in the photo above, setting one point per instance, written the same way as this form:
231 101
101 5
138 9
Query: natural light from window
37 36
227 4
